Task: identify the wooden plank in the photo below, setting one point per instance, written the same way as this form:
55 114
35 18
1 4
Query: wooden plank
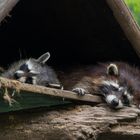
13 84
34 93
127 22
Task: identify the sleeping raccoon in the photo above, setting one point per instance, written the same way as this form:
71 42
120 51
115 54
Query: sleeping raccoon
118 83
33 71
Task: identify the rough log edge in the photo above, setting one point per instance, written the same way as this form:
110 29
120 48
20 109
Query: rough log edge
127 22
5 7
13 84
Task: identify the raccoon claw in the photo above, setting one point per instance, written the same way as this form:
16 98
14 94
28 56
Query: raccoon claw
79 91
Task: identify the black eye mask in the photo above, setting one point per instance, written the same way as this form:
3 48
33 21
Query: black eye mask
106 89
24 68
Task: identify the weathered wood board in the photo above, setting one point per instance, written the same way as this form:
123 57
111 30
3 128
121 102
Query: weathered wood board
5 7
27 96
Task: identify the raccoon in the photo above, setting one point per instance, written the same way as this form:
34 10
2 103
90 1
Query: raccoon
33 71
118 83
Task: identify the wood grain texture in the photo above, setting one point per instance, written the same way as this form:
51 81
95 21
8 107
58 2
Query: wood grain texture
127 22
5 7
70 123
34 89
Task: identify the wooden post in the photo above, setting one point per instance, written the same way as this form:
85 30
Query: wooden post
5 7
127 22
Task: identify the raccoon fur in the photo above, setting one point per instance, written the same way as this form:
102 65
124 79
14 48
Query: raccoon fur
118 83
33 71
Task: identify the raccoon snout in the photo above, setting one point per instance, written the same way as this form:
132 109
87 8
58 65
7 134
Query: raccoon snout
115 102
110 98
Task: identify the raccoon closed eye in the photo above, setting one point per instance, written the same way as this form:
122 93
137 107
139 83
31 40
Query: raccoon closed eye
114 88
125 100
24 67
131 90
104 89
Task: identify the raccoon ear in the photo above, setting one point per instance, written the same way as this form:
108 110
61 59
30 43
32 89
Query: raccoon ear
43 58
112 69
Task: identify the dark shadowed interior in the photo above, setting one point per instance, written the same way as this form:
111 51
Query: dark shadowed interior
73 31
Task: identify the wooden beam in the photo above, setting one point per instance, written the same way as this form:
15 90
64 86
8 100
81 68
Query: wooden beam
5 7
12 84
127 22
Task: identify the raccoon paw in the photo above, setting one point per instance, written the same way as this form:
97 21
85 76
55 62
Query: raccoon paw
80 91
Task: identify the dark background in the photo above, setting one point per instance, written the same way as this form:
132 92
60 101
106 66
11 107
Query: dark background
73 31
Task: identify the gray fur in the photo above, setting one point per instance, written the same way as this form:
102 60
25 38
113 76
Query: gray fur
12 69
35 69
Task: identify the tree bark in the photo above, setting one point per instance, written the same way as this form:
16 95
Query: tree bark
127 22
71 123
5 7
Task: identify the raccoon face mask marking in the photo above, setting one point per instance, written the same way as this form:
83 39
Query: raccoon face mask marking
115 95
24 68
31 68
24 74
115 91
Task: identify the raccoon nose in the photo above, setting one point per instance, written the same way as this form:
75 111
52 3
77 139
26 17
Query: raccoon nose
115 102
